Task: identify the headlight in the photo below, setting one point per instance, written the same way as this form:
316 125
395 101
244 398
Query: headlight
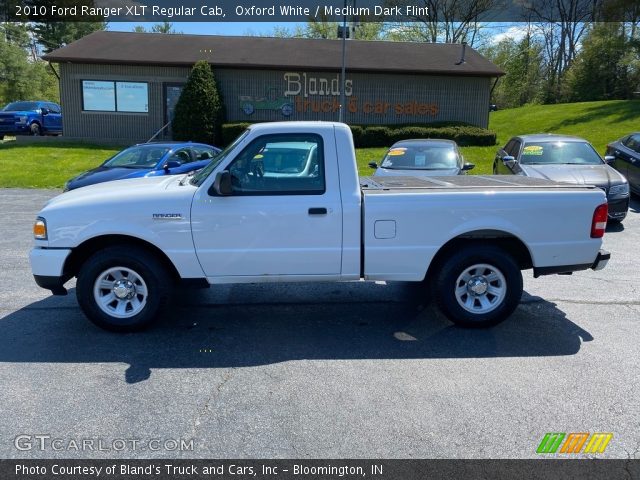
618 190
40 229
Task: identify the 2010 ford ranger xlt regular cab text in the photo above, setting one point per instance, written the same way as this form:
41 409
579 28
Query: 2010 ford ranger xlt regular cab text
284 203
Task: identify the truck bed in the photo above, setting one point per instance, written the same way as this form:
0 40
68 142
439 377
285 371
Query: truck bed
377 185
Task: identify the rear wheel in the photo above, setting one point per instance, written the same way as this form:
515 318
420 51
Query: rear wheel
478 287
123 289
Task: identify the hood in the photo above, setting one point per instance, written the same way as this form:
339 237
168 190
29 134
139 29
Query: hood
393 172
598 175
105 174
16 113
128 193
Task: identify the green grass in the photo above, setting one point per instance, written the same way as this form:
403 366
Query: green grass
47 165
50 165
598 122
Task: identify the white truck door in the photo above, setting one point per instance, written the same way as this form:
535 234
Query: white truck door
284 216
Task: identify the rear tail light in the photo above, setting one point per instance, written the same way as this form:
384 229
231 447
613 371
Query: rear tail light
599 222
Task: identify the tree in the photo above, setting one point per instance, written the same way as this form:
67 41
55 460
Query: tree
323 28
164 27
521 61
53 35
447 21
22 77
605 67
199 111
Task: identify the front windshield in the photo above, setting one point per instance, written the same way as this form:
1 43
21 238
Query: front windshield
141 156
559 153
20 107
421 157
200 177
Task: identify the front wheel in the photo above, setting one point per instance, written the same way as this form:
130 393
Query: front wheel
35 129
123 289
478 287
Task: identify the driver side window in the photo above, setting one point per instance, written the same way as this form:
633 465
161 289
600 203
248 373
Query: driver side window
289 164
181 156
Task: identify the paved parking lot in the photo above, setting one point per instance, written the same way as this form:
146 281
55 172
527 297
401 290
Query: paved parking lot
306 370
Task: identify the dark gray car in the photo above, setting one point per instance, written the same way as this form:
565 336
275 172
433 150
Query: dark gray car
422 157
626 159
564 159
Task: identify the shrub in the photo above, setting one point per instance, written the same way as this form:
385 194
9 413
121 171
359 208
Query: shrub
199 110
230 131
366 136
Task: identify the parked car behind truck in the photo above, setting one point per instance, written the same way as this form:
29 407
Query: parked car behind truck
30 118
624 155
467 237
565 159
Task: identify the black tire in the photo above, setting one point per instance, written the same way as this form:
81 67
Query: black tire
499 307
35 129
495 169
131 263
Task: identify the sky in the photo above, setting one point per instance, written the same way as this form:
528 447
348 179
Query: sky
498 31
210 28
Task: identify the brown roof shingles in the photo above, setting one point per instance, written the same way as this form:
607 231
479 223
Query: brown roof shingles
261 52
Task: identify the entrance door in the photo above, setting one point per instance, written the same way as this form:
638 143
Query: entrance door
172 93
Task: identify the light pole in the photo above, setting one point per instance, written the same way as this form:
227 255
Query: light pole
344 57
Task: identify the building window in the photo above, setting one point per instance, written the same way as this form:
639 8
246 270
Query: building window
105 96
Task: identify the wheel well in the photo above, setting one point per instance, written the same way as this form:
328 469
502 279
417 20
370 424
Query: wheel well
503 240
83 251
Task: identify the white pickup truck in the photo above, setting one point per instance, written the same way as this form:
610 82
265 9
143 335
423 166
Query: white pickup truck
283 203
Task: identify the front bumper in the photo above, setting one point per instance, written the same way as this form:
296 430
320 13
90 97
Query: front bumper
14 129
618 207
47 266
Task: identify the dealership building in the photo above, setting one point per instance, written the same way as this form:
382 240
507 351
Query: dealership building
124 86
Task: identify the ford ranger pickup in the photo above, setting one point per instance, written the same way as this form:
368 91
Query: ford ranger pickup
283 203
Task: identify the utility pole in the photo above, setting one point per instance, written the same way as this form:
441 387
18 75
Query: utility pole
344 58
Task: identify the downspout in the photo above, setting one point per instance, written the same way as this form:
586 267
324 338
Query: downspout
54 71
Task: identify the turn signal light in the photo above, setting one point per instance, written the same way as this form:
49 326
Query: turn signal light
599 222
40 229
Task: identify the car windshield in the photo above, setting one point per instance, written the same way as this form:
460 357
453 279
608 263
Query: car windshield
421 157
200 177
140 156
20 107
559 153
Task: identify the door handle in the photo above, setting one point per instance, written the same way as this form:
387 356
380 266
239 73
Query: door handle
318 211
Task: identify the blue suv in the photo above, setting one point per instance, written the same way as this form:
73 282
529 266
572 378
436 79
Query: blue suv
30 118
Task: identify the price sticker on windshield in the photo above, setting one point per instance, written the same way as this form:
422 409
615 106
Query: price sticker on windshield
532 150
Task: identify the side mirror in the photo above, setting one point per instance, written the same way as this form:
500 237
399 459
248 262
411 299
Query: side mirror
44 111
509 161
468 166
373 165
222 184
171 164
609 159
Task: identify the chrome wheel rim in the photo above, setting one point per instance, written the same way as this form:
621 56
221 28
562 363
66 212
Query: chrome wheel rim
120 292
480 288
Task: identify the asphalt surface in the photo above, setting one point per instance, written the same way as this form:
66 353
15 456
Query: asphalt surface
319 370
